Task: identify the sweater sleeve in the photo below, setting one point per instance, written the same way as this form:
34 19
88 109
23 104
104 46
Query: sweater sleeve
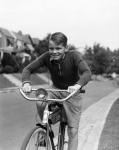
32 67
83 70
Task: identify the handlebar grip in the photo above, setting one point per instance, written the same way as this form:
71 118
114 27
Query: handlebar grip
82 91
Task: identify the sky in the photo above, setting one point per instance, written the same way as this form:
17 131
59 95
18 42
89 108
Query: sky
85 22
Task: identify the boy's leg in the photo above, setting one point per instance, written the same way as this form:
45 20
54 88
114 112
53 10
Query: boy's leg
73 112
73 138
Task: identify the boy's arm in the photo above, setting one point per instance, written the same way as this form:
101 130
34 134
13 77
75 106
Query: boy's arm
32 67
83 70
85 75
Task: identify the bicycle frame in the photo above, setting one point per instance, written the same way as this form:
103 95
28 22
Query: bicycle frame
49 131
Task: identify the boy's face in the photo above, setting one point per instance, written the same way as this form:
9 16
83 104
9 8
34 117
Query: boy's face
56 51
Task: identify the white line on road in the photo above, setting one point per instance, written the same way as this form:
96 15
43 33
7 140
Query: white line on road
13 79
18 83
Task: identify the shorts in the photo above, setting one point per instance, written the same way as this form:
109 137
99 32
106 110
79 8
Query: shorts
72 107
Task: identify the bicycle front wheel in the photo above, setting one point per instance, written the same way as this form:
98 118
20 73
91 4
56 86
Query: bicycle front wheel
36 140
61 137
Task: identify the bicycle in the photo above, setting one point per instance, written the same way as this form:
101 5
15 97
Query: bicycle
41 137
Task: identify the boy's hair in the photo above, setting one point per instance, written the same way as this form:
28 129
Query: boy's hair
59 38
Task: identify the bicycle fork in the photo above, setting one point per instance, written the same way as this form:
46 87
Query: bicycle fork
61 136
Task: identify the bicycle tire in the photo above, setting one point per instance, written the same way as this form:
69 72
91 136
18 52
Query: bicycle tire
31 141
61 137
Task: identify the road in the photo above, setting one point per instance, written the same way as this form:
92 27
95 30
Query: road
17 116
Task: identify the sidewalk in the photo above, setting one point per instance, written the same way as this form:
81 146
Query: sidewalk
99 125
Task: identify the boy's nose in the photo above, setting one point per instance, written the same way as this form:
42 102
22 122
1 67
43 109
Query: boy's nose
54 50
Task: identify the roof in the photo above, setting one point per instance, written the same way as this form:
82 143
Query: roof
6 32
35 41
26 39
18 35
22 37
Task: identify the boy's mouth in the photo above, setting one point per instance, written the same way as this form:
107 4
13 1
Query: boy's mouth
55 56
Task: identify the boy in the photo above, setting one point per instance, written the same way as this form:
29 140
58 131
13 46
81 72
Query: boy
68 71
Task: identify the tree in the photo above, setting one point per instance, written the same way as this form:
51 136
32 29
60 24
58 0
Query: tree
115 61
98 58
43 45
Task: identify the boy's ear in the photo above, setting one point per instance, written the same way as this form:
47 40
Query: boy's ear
66 48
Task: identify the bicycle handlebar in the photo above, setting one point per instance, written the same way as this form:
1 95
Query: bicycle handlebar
45 92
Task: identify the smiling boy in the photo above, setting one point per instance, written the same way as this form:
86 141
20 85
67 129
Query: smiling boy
68 71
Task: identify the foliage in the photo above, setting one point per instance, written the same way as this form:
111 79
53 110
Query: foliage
102 60
71 47
43 45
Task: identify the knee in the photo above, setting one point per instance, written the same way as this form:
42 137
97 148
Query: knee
72 132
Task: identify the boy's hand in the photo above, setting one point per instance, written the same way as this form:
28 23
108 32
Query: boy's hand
73 88
26 88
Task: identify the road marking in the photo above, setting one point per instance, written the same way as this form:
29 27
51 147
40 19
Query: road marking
13 89
18 83
93 120
13 79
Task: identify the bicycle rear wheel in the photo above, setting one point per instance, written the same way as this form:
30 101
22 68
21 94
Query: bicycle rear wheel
36 140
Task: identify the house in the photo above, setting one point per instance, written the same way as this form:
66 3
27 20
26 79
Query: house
21 39
5 35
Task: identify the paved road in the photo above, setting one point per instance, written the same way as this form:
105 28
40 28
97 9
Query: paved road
17 116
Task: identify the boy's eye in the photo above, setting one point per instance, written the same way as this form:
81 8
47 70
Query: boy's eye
51 48
57 48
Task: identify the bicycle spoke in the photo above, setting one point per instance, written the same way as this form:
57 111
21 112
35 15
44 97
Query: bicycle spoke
36 140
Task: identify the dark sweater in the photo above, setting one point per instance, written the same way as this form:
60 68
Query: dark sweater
70 70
